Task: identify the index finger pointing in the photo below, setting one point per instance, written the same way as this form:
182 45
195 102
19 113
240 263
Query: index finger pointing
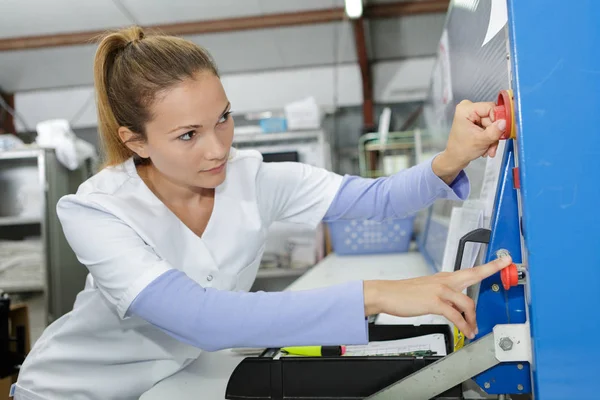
477 274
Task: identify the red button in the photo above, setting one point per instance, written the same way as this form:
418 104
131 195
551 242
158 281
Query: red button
503 110
509 276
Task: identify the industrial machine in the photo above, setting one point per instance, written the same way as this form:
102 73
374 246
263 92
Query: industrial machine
538 319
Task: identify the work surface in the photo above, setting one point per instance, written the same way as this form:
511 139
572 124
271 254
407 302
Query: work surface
207 377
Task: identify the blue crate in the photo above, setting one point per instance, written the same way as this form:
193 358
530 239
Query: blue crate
273 125
355 237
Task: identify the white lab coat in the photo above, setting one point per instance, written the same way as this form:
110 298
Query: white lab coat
127 238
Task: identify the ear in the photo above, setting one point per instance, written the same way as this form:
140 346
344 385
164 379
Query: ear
134 142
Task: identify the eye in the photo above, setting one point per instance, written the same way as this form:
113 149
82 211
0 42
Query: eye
225 117
187 136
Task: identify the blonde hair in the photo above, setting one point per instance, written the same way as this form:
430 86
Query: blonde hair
130 70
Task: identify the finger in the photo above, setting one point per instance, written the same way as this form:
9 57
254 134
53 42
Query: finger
464 304
477 274
485 121
483 109
493 150
493 133
456 318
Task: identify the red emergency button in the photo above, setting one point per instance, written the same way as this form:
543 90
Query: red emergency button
509 276
505 110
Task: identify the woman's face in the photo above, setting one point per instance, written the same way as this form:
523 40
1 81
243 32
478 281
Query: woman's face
190 135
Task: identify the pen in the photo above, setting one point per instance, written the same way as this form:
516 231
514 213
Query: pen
419 353
315 351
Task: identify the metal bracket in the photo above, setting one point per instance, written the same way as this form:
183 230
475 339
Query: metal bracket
513 342
462 365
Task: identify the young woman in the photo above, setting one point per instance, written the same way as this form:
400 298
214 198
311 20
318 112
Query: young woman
173 228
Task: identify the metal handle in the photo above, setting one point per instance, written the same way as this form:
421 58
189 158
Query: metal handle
480 235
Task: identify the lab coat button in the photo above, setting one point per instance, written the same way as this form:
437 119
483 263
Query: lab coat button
209 278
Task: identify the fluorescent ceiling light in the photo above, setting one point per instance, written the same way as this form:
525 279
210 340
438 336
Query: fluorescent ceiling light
354 8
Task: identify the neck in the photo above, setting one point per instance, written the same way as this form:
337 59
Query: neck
168 191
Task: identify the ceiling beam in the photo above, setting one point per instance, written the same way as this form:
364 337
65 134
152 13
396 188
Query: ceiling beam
390 10
360 40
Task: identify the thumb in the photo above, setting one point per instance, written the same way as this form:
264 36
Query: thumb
494 131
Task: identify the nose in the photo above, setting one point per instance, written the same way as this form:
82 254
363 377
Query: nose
214 149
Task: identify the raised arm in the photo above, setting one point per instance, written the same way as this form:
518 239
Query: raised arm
473 135
396 196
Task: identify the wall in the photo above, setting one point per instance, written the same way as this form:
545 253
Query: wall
394 82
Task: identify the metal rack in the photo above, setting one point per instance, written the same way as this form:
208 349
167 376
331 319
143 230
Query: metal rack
32 182
375 150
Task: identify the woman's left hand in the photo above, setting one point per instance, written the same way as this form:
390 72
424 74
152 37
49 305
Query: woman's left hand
473 135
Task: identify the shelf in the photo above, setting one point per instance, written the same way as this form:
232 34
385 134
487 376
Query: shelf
274 137
19 154
281 272
5 221
389 146
21 287
394 145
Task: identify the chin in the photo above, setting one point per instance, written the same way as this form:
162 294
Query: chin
211 182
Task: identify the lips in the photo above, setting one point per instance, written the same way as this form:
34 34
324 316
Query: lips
216 169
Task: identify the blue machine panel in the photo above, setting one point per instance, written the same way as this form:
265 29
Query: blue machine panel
556 77
496 305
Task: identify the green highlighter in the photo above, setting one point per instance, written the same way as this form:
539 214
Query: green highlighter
315 351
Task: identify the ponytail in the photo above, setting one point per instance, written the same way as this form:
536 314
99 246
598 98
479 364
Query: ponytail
113 148
129 70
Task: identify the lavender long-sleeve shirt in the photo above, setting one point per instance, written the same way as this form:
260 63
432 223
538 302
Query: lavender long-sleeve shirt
212 319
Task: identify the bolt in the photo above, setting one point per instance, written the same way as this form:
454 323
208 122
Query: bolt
495 287
520 387
506 344
520 366
486 385
502 253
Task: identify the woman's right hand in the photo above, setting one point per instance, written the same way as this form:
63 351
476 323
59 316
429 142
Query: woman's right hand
440 294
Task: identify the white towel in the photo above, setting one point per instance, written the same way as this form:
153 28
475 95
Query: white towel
70 150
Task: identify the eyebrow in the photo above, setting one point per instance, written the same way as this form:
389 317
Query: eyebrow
200 126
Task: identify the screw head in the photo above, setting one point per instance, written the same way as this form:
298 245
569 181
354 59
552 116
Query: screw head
506 344
520 387
520 366
495 287
486 385
502 253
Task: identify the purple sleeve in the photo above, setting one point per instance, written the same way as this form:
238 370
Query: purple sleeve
214 319
396 196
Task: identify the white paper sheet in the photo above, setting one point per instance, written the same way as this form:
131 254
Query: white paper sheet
498 18
462 221
430 319
490 180
435 342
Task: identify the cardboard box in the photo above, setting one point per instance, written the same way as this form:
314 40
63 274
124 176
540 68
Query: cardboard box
5 385
18 316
